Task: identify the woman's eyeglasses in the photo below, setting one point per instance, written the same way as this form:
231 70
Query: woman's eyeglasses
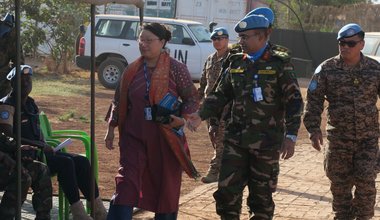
348 43
146 41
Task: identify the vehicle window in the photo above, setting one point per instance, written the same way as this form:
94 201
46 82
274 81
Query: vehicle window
111 28
200 32
369 46
377 52
132 31
178 33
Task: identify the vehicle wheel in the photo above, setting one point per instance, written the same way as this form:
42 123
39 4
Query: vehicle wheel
109 72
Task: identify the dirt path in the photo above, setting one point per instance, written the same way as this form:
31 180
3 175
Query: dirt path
56 106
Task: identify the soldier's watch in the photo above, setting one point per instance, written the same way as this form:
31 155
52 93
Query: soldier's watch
292 137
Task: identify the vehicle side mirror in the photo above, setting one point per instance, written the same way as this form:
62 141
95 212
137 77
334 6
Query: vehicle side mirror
211 26
187 41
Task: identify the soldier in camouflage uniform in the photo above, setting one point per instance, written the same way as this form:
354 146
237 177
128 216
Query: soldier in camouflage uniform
350 82
215 126
34 174
7 52
265 118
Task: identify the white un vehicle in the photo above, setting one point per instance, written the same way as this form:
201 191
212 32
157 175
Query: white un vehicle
116 45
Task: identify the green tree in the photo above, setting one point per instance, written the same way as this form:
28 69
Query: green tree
300 14
54 23
334 2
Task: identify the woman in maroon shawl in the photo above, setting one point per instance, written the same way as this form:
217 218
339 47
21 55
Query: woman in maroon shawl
153 149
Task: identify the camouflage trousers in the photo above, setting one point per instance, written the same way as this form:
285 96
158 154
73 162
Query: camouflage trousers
257 169
218 151
36 175
350 163
8 184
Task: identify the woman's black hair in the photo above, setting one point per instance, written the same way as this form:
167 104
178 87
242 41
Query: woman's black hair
159 30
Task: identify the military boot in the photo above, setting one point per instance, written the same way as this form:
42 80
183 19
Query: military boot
211 177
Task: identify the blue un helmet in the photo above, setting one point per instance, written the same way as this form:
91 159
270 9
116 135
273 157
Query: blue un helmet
25 70
6 25
349 30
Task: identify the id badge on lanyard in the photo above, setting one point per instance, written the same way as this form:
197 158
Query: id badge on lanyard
148 113
256 91
148 108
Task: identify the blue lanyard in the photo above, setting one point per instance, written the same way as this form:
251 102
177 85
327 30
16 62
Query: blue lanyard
147 81
256 80
254 57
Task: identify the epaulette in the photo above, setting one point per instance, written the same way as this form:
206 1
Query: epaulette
238 63
281 52
237 59
236 56
235 48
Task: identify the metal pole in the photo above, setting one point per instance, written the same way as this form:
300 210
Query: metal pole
18 108
92 109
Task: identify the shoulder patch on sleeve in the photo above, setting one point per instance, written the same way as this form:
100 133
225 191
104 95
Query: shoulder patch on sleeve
6 114
313 85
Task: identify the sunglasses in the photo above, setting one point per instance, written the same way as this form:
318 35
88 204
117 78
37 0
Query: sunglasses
348 43
218 38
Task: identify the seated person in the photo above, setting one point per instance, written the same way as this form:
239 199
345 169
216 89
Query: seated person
73 170
33 173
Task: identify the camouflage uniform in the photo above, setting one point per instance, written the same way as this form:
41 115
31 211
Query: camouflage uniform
34 174
210 74
8 184
7 60
352 131
255 131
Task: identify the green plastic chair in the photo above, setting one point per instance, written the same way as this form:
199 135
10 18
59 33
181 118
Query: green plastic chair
54 137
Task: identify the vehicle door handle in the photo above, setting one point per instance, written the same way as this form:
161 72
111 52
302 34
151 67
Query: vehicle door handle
126 45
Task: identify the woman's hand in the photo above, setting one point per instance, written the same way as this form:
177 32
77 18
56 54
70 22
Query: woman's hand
177 122
193 121
110 135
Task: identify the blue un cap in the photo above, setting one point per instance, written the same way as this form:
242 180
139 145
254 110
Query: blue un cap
25 70
264 11
220 31
252 22
349 30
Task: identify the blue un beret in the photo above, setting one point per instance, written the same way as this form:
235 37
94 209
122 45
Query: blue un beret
349 30
25 69
219 32
252 22
265 11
